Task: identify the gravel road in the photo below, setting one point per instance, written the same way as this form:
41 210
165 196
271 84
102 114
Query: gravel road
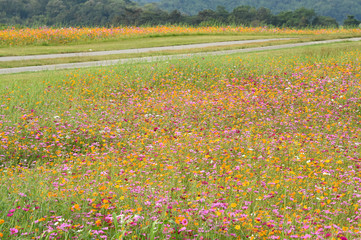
151 59
138 50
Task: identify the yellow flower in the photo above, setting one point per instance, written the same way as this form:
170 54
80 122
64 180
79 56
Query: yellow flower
237 227
2 221
98 222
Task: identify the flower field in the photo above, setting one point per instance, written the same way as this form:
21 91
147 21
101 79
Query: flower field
259 146
54 36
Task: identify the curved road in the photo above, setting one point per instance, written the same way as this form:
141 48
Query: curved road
150 59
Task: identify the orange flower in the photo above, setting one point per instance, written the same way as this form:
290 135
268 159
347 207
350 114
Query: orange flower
98 222
76 207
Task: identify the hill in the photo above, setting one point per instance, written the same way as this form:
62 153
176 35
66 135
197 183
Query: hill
66 12
338 9
129 13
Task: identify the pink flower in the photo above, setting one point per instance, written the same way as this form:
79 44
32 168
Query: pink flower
307 236
184 222
13 231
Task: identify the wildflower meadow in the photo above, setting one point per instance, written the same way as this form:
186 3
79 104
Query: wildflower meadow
252 146
58 36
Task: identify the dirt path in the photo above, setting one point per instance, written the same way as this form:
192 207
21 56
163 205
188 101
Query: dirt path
138 50
150 59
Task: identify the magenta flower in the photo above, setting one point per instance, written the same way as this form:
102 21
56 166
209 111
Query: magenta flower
13 231
184 222
307 236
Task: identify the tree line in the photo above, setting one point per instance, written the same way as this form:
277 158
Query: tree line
126 13
338 9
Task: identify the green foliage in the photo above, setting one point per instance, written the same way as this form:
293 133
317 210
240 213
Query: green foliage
250 16
338 9
351 21
127 13
64 12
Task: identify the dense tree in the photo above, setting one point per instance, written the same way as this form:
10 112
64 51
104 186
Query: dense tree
63 12
323 21
338 9
175 17
222 14
299 18
126 12
263 15
242 15
351 21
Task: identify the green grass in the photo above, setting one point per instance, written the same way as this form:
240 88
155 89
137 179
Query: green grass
317 51
25 63
145 42
36 62
130 43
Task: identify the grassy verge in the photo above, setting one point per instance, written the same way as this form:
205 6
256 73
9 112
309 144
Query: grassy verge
12 64
151 42
247 146
130 43
315 51
36 62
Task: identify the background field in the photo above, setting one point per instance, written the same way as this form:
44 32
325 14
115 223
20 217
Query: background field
22 42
